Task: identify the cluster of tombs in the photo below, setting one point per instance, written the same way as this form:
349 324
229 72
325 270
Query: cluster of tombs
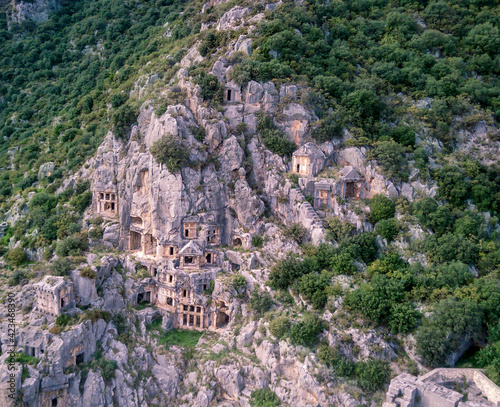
184 293
182 271
308 161
438 389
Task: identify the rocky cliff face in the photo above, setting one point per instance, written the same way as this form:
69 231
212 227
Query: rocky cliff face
233 181
37 10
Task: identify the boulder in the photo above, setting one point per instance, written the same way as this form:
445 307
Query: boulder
231 380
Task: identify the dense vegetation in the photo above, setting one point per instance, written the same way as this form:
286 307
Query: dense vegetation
355 54
65 83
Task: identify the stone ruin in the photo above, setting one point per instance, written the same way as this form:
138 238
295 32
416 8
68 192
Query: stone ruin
182 292
308 161
53 295
438 388
232 93
181 271
106 203
349 184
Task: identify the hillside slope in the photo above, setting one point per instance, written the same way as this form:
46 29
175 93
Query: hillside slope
247 203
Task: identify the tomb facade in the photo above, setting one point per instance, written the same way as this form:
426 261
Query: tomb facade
106 202
53 295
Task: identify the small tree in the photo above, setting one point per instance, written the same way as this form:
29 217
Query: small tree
260 301
211 90
16 257
296 232
381 208
121 119
372 374
169 151
306 332
264 398
279 327
387 228
391 157
272 137
61 267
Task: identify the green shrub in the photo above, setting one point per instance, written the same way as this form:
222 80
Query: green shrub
63 320
306 332
363 105
372 374
287 270
81 187
87 272
239 284
403 318
16 257
61 266
295 231
433 216
328 355
107 368
96 314
404 135
122 119
81 202
391 157
312 285
279 327
17 277
72 246
387 228
342 263
210 289
450 247
452 322
489 357
180 337
211 90
169 151
294 178
257 241
198 133
382 300
345 367
264 398
381 208
209 44
274 139
339 230
120 322
471 225
24 359
453 185
260 301
330 127
118 99
96 233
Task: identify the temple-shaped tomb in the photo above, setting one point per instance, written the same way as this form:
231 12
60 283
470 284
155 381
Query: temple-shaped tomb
53 295
106 203
212 234
190 227
232 93
143 242
308 161
352 183
348 185
192 256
